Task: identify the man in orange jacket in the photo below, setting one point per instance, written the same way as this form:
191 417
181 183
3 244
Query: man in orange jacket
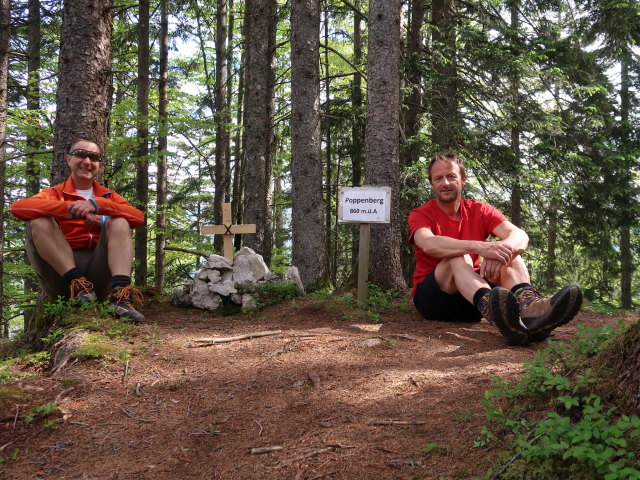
79 236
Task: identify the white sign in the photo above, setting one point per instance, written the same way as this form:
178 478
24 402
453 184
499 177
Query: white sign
364 205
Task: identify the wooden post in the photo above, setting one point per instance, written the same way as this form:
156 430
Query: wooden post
363 264
227 230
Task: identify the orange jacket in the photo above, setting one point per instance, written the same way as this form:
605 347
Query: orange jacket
54 202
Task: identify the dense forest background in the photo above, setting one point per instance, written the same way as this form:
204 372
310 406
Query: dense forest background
274 106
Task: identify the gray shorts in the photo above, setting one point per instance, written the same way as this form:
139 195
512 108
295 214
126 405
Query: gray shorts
93 264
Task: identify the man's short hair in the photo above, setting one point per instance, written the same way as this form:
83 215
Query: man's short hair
83 139
447 157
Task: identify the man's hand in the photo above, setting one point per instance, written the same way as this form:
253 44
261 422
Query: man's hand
490 269
498 251
83 209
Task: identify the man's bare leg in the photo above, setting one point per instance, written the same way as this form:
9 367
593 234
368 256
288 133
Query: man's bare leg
120 251
51 244
119 246
497 305
456 274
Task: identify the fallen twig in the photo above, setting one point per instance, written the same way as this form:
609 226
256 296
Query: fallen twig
137 419
306 455
396 422
275 448
212 341
126 371
15 420
62 394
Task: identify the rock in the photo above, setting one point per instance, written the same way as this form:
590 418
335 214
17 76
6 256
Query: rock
225 288
249 303
65 348
372 343
213 276
294 276
219 262
248 267
220 281
271 277
202 297
181 298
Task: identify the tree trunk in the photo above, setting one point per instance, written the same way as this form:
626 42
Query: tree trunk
222 120
34 142
331 254
626 253
382 136
260 16
411 120
83 101
5 9
309 250
552 242
444 105
357 127
142 161
161 188
239 156
516 189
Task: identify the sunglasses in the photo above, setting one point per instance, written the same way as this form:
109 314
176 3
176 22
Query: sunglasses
81 153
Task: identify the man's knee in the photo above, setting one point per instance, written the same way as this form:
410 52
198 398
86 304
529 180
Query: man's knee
457 263
43 226
117 225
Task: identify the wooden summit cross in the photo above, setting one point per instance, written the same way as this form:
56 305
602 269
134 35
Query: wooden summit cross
227 230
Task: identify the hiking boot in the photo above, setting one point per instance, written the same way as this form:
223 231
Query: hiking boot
122 299
81 291
542 314
500 308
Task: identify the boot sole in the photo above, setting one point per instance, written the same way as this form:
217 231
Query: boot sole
505 315
569 304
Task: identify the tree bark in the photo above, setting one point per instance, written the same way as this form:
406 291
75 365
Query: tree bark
142 160
161 187
85 79
516 188
626 253
444 105
260 16
309 250
222 120
357 128
382 136
411 120
5 9
34 142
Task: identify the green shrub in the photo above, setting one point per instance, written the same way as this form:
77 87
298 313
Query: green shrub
556 425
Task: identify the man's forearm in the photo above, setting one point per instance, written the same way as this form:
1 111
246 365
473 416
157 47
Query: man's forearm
447 247
518 240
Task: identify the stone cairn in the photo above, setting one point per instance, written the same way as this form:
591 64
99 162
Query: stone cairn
222 281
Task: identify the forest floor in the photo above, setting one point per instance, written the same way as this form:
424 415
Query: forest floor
340 398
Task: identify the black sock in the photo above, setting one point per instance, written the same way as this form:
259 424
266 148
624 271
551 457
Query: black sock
71 275
120 281
479 294
517 287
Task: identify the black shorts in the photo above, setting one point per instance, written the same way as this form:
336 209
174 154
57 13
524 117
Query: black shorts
434 304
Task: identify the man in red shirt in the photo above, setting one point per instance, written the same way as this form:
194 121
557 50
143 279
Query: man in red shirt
79 236
451 283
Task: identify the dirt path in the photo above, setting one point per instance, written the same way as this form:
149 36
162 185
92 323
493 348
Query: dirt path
338 404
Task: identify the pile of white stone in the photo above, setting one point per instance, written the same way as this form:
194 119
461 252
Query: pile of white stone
222 281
